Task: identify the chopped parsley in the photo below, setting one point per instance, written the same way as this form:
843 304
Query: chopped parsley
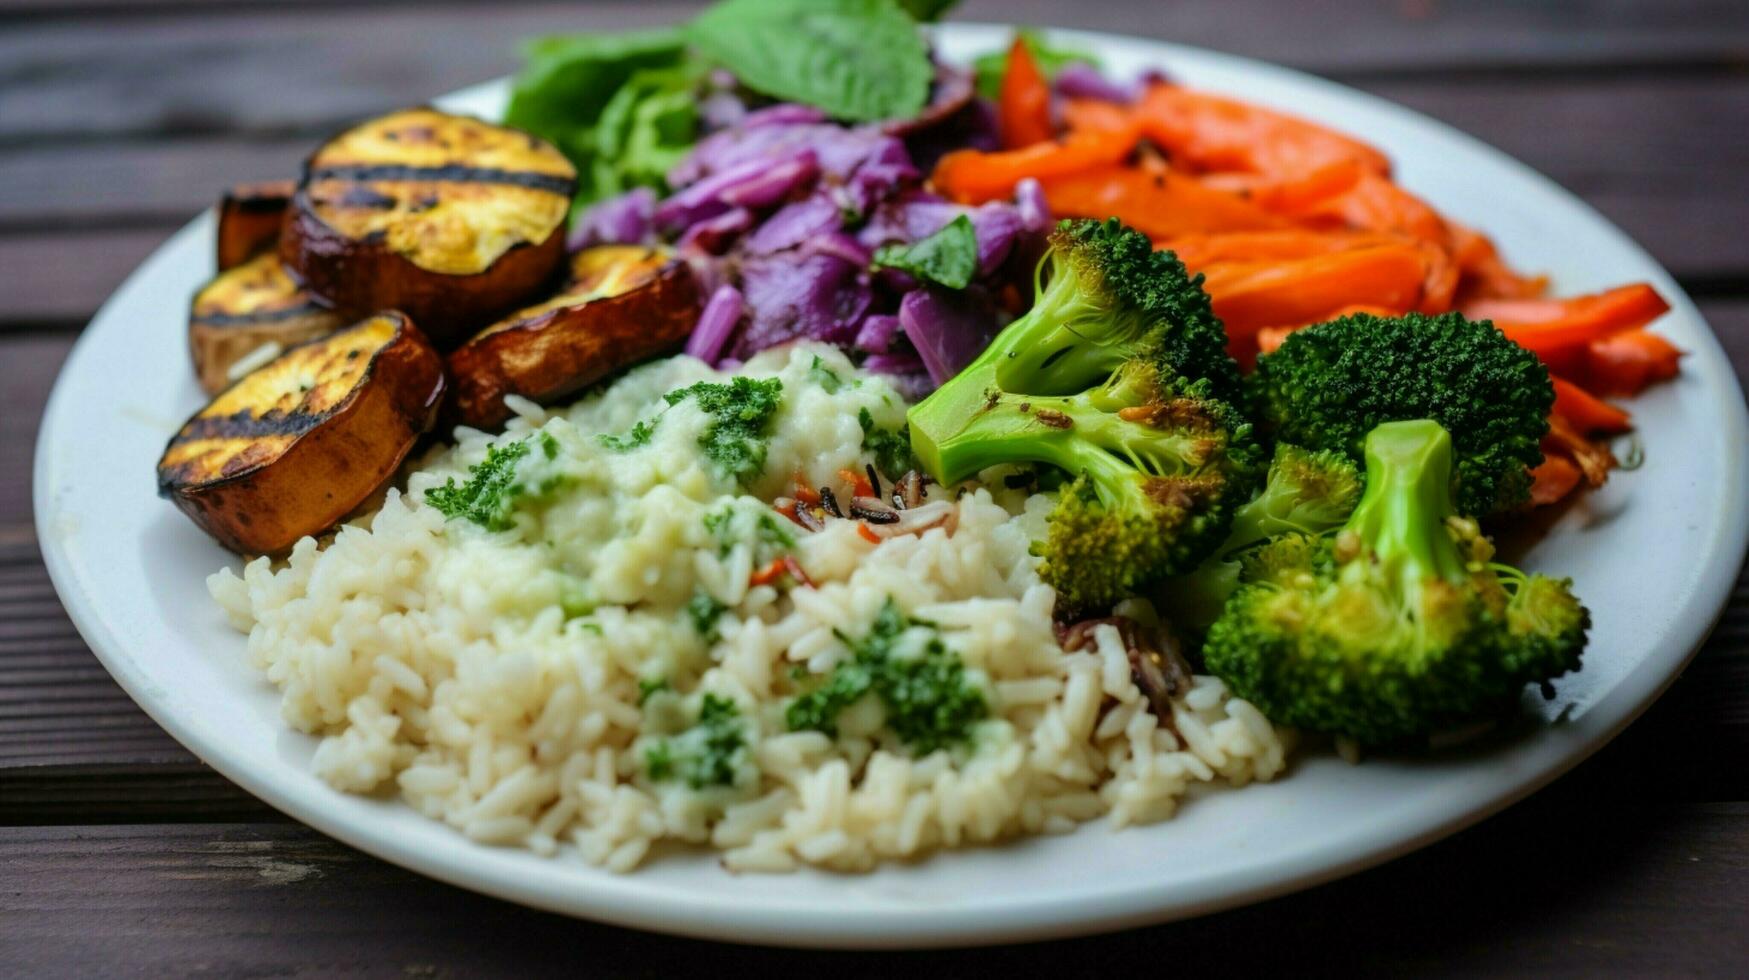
710 753
730 526
638 437
891 450
648 686
929 701
824 376
489 495
740 413
704 611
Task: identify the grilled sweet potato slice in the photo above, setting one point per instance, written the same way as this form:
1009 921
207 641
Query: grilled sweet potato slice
622 304
296 445
246 308
449 219
249 220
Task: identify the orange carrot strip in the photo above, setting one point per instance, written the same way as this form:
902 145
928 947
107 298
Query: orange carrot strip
804 493
1485 275
973 177
1627 362
1209 132
1593 458
769 574
859 484
867 533
1023 114
1199 250
1588 413
1552 480
1547 326
1160 205
1374 203
1250 295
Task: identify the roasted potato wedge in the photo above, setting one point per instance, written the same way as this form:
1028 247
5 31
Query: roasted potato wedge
249 219
296 445
446 218
246 308
622 304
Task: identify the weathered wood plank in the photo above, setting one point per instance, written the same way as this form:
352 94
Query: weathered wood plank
1654 889
66 80
1673 177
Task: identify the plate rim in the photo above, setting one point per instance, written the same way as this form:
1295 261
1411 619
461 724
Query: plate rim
621 902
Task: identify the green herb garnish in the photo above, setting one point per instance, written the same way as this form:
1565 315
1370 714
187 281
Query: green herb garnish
740 413
891 450
638 436
488 497
824 376
929 701
704 611
710 753
948 256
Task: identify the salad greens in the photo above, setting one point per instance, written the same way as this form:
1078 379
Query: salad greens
860 60
625 107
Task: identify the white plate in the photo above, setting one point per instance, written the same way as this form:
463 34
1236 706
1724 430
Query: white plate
1654 554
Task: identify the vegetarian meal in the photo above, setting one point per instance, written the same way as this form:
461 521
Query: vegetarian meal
773 439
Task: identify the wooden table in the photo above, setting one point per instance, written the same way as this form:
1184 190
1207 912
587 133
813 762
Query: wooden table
120 853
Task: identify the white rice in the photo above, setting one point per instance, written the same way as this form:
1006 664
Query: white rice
436 656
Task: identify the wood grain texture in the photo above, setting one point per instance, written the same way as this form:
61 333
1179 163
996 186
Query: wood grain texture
1654 889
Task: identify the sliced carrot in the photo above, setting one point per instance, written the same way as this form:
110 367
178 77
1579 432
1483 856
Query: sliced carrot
867 533
1269 338
1293 193
1627 362
769 574
1548 326
1208 132
1485 275
859 484
1200 250
1552 480
1248 296
973 177
1374 203
1097 114
1588 413
1593 458
803 492
1160 205
1023 114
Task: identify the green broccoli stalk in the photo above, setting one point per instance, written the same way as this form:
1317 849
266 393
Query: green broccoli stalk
1398 625
1116 377
1327 386
1307 492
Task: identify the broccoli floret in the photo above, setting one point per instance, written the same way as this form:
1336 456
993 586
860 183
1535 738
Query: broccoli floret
1119 377
1104 296
1328 385
1397 625
1309 492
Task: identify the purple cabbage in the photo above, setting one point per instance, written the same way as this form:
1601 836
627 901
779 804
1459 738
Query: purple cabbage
722 314
946 328
780 211
1080 80
624 220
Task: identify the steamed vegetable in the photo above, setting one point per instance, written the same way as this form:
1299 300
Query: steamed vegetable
1327 386
1117 376
1399 625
